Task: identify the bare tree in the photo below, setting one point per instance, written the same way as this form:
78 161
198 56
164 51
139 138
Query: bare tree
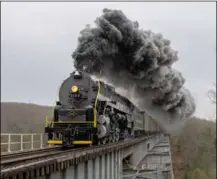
212 94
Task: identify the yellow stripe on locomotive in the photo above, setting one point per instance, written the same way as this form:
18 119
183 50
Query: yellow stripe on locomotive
59 142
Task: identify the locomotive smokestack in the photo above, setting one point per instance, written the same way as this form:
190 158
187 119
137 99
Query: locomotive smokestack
137 60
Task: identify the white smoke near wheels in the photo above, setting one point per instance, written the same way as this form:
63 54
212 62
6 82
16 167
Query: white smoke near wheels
136 61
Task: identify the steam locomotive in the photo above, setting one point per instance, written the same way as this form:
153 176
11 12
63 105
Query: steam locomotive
91 112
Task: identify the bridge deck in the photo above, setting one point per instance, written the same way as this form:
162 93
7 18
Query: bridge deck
149 157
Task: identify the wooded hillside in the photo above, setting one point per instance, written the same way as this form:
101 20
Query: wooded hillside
23 118
194 150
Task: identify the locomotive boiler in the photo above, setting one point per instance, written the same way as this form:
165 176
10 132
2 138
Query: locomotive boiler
91 112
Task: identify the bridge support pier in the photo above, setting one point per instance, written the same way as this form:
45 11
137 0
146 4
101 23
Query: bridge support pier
102 167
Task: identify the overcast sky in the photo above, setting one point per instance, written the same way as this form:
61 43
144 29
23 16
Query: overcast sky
38 38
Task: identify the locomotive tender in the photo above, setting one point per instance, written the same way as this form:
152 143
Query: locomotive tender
91 112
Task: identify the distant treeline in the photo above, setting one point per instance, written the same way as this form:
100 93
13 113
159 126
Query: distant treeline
23 117
194 150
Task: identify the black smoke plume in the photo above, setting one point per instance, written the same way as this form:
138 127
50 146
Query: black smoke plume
137 60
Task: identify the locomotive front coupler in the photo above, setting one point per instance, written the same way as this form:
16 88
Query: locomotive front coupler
69 136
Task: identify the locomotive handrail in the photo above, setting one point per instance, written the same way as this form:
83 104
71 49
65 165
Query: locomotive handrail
52 122
46 121
95 105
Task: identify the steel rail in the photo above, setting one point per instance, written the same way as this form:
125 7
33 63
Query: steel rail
31 156
25 152
7 160
35 155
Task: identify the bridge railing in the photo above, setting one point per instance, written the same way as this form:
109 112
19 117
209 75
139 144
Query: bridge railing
12 142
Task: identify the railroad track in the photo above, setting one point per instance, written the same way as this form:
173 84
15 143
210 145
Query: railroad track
45 160
26 152
22 158
15 160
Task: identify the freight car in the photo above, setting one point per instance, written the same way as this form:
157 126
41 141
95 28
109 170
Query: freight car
91 112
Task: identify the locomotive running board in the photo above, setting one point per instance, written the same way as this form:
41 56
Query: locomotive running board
74 142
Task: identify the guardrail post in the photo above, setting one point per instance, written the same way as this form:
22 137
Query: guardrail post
9 142
41 141
32 135
21 142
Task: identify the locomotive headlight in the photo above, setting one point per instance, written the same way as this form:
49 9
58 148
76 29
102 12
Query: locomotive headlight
74 89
